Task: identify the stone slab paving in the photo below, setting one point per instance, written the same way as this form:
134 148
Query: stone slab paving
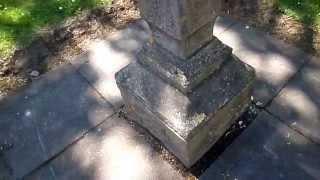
106 57
298 104
268 149
61 107
274 61
48 116
114 150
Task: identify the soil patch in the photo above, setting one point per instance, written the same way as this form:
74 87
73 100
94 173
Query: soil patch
267 17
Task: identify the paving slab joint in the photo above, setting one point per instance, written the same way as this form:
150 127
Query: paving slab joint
268 104
295 130
53 157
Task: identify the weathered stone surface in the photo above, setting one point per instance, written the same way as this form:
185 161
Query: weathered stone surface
48 116
179 18
184 74
268 149
187 124
181 26
186 47
298 104
112 151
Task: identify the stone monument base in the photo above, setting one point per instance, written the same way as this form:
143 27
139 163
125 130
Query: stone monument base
187 123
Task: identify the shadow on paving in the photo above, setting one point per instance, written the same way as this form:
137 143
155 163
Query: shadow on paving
298 103
44 119
274 61
268 149
106 57
117 149
287 78
61 107
294 74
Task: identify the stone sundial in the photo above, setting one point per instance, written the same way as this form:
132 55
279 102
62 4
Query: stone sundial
186 87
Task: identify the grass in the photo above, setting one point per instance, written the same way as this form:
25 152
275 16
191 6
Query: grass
306 11
20 20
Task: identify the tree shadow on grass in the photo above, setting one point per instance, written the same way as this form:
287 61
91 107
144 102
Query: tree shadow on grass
21 20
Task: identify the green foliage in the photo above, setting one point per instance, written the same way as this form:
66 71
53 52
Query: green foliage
306 11
21 19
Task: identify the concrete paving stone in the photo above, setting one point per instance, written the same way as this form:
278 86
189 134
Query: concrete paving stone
80 59
268 149
5 173
106 57
46 173
222 24
42 120
298 104
114 150
274 61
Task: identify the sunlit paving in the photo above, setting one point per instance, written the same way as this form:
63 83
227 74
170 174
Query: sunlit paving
159 89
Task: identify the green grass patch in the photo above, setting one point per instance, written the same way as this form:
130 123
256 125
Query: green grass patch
306 11
21 19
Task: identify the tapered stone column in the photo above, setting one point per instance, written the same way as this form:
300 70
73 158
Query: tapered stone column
186 87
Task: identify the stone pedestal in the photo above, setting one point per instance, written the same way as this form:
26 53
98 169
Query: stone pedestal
186 87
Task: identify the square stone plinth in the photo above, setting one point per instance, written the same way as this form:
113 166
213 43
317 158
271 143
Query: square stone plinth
187 124
184 74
